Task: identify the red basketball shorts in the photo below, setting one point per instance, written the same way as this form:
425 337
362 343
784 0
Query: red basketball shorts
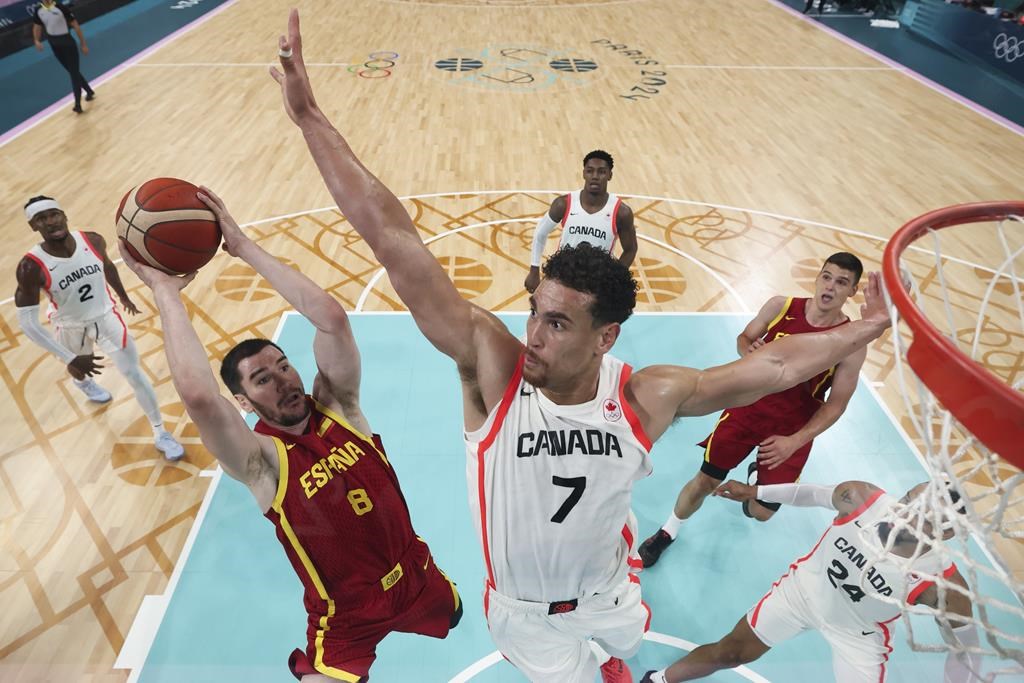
428 605
737 435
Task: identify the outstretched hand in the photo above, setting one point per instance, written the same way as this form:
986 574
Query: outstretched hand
130 306
149 275
233 236
294 81
734 490
874 308
84 366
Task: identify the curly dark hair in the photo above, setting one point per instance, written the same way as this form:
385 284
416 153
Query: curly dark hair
600 154
592 270
229 366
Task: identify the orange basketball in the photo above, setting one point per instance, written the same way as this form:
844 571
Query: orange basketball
167 227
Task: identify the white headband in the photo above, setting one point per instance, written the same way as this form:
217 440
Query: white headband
39 206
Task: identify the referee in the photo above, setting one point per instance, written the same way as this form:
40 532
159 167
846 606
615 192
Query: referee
57 20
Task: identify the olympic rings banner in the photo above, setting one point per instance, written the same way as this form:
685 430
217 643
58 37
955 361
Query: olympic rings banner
974 35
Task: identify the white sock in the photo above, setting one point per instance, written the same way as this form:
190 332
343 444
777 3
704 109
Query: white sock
158 429
671 525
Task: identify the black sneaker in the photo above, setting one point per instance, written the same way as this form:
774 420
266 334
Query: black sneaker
77 109
89 97
651 549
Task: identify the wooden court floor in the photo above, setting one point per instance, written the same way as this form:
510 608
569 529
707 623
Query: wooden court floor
750 143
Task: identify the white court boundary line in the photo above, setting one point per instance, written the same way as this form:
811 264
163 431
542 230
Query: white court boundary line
34 120
722 67
490 660
142 633
170 65
670 200
361 301
904 69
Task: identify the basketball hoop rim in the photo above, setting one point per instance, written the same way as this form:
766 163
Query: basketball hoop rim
961 384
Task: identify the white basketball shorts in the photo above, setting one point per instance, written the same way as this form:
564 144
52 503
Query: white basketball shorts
554 648
858 655
109 333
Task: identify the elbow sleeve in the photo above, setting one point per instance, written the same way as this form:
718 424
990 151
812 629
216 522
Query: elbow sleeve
544 227
28 319
800 495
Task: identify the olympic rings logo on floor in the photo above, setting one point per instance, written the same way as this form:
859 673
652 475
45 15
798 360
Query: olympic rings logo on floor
377 65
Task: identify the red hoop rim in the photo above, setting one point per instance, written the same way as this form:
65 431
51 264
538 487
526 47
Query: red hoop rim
987 406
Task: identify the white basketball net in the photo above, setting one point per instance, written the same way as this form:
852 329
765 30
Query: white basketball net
988 546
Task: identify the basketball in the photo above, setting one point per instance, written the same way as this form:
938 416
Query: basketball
166 226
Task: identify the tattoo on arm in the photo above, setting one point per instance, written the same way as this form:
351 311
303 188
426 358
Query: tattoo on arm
846 497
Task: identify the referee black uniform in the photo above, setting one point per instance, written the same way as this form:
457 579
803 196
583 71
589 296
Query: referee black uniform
57 20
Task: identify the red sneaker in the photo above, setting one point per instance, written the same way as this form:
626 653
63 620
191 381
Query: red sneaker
616 671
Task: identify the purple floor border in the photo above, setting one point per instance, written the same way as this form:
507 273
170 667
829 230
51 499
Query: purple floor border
123 66
973 106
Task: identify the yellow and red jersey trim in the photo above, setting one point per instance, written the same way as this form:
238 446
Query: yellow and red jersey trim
300 552
707 448
331 417
627 410
615 224
499 418
778 318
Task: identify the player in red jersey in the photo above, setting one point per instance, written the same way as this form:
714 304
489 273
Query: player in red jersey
780 426
318 472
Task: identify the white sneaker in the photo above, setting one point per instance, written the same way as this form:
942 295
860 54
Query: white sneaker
94 392
168 445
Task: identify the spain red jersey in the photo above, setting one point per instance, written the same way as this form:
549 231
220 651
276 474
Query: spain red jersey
796 405
343 521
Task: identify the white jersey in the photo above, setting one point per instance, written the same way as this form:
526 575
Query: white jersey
76 285
550 489
599 229
839 582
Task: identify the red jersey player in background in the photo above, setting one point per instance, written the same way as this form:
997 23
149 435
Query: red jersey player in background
781 426
317 470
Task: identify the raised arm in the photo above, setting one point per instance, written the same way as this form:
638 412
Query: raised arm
547 223
627 235
751 338
482 347
449 322
110 271
334 347
244 455
662 393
